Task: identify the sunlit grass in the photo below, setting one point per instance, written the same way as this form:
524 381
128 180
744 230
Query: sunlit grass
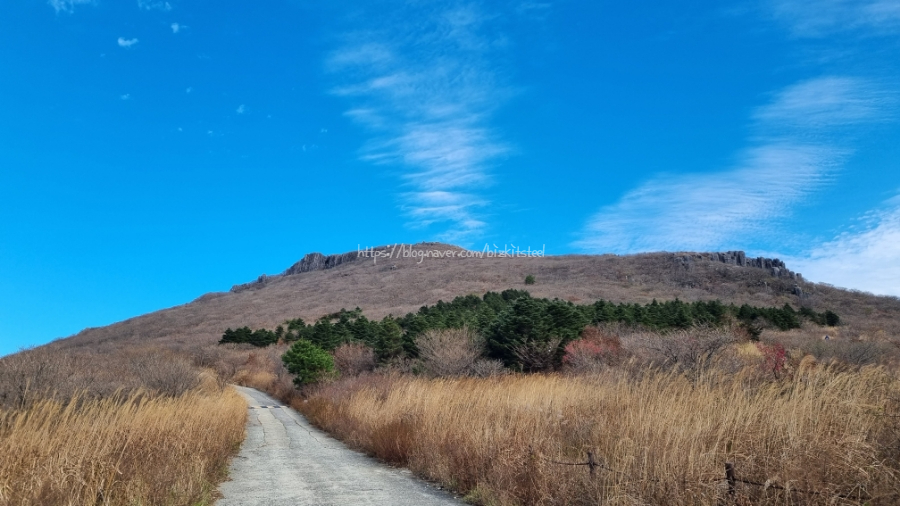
661 438
135 449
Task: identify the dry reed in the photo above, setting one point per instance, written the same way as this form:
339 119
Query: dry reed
660 438
133 449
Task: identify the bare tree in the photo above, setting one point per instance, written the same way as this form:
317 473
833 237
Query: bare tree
484 368
353 359
164 372
449 352
687 350
537 356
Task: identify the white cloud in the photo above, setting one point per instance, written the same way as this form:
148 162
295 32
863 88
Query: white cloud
176 27
703 211
241 109
127 42
817 18
67 5
426 91
429 207
706 211
826 102
153 5
868 260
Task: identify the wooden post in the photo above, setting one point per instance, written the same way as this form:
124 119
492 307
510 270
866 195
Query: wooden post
729 476
591 462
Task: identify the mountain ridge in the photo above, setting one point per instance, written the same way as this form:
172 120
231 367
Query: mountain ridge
320 284
317 261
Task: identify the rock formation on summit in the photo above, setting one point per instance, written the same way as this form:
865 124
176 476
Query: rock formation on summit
775 266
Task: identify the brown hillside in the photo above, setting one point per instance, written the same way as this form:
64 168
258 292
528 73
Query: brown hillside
319 285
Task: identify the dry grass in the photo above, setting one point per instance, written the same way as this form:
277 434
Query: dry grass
135 449
37 374
135 426
662 438
263 369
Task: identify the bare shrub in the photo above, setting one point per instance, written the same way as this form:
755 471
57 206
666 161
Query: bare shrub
207 356
538 356
166 373
36 374
686 350
402 365
449 352
855 353
484 368
353 359
29 375
230 361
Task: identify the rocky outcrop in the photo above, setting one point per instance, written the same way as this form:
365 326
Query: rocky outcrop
774 266
318 262
310 262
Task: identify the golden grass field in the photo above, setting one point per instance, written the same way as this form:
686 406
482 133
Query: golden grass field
128 449
659 437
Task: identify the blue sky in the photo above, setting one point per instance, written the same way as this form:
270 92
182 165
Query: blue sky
152 151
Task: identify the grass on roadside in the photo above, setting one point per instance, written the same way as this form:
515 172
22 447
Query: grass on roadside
660 437
129 449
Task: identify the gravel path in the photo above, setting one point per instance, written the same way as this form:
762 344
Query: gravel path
285 461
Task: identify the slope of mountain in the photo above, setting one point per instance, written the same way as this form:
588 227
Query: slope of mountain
392 280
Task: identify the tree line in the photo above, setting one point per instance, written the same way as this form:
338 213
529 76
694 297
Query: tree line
513 319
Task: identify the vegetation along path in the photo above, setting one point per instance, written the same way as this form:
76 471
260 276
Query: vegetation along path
286 461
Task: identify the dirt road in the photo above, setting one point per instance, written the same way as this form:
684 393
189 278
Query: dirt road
285 461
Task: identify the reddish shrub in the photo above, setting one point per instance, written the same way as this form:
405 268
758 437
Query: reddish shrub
774 357
591 351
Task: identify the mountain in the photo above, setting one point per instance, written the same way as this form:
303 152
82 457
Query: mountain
401 278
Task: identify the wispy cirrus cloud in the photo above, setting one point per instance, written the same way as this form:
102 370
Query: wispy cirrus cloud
706 211
818 18
865 259
147 5
67 5
154 5
126 43
825 103
425 88
793 154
